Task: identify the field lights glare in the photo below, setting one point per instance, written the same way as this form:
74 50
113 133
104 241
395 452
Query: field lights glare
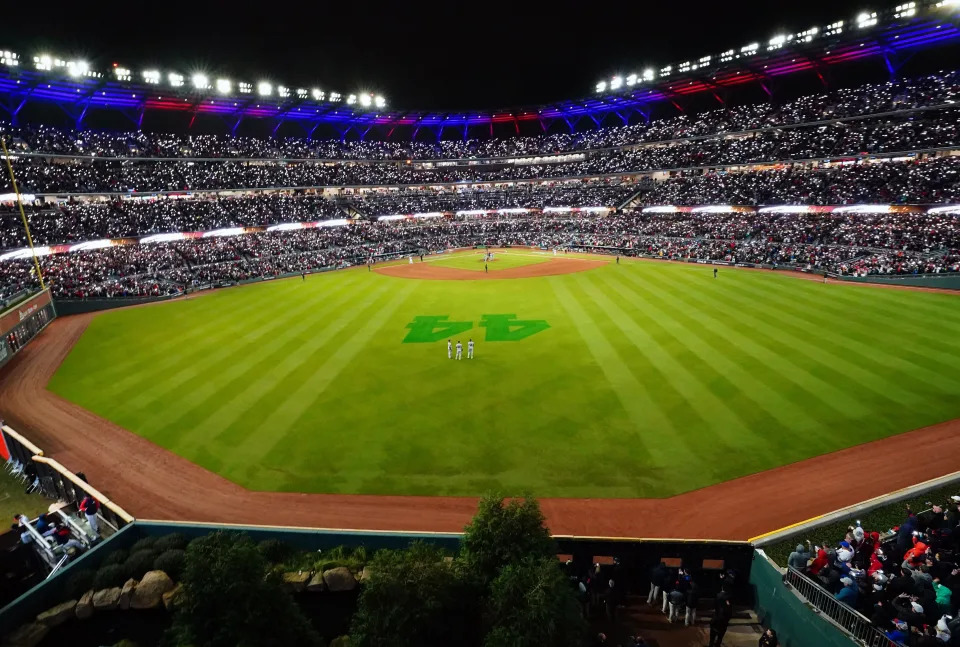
264 89
224 86
200 81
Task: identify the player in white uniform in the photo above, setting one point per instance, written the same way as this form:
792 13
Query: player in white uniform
470 349
449 349
459 350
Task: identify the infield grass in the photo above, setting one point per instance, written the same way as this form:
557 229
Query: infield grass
651 379
501 261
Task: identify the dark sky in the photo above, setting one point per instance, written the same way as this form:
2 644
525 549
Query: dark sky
437 55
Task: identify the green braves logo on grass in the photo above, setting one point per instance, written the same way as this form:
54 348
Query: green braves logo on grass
431 328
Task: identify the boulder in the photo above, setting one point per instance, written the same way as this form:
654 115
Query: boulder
296 582
339 579
126 593
106 599
84 608
149 592
172 597
57 615
316 585
365 574
28 635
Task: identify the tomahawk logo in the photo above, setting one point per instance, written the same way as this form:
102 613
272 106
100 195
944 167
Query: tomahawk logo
433 328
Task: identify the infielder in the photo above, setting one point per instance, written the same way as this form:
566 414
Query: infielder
459 350
470 349
449 349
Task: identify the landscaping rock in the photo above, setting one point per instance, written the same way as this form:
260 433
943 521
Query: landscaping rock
296 582
126 593
57 615
106 599
365 574
150 590
316 585
339 579
28 635
172 597
84 608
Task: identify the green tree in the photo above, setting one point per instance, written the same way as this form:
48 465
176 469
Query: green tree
414 598
231 600
502 533
531 604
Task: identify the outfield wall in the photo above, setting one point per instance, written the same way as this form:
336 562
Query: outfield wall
21 323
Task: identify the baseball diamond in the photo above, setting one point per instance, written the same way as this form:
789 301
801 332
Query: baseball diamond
638 379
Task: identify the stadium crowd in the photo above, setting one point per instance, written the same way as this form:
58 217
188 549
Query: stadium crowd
847 244
906 94
906 581
922 131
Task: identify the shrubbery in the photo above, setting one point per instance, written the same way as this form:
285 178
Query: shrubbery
109 576
143 544
275 551
78 583
118 556
140 562
173 541
170 562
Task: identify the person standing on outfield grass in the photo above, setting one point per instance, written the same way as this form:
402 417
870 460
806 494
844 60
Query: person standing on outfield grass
449 349
303 275
618 259
485 267
459 350
470 349
421 258
714 272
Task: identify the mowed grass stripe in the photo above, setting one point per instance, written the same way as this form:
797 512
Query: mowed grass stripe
725 425
230 421
820 369
658 431
883 353
289 411
848 303
750 374
233 338
202 316
230 373
806 390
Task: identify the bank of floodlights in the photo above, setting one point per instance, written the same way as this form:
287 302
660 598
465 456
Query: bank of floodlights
865 20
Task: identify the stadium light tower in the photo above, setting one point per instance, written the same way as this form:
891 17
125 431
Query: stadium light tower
366 100
379 101
200 81
264 89
224 86
77 68
602 86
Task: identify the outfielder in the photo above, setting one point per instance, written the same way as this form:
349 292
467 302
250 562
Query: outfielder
459 350
449 349
470 349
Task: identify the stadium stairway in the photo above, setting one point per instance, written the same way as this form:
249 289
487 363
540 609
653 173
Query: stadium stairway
636 617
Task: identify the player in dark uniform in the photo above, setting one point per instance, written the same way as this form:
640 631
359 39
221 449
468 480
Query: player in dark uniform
714 272
303 275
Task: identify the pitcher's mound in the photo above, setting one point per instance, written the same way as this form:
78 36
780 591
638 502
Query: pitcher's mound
552 267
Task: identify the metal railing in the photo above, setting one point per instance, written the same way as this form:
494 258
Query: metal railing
56 481
849 620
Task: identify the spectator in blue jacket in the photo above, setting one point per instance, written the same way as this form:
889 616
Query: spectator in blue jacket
849 593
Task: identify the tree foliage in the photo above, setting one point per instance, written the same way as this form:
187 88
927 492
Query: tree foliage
504 532
414 598
531 604
230 600
505 589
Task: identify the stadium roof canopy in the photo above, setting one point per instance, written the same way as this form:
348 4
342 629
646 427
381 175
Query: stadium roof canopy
890 36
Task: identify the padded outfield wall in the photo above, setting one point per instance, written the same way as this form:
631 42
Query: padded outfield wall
22 322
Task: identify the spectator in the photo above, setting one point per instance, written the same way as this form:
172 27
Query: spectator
849 593
799 558
769 639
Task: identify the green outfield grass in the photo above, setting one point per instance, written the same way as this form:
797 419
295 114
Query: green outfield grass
501 261
647 379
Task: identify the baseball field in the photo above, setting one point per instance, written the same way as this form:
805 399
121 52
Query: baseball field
590 379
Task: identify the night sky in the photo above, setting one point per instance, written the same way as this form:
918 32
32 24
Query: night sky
438 55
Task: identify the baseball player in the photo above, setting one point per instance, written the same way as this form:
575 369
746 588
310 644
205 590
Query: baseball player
470 349
449 349
459 350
